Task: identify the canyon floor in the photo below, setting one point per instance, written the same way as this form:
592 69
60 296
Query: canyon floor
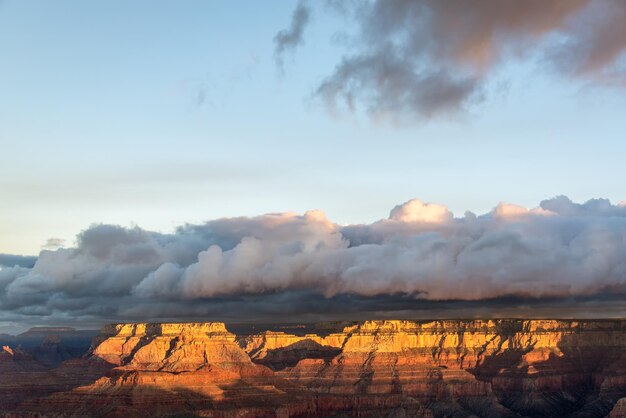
451 368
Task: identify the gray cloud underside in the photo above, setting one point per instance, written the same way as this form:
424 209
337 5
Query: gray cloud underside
422 58
10 260
420 259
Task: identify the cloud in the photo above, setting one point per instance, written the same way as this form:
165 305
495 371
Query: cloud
425 58
289 39
562 254
417 211
507 210
594 43
53 243
10 260
562 205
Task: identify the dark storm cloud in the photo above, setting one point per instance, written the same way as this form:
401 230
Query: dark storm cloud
594 43
10 260
422 58
419 259
290 38
386 83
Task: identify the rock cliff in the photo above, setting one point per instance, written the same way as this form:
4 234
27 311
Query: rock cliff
493 368
169 347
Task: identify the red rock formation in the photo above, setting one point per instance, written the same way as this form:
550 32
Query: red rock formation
396 368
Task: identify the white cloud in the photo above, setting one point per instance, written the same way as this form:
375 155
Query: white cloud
577 250
416 211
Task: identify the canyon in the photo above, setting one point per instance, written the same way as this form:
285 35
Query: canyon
394 368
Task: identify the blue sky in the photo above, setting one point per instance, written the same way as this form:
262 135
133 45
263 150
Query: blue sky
162 113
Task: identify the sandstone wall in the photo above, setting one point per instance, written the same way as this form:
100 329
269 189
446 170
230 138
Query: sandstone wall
371 368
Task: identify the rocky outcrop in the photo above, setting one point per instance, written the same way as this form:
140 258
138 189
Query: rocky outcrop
169 347
546 368
619 410
459 368
50 346
23 377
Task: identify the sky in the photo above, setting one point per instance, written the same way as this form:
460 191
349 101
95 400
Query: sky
160 116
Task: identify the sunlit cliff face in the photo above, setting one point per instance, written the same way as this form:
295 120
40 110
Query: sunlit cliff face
503 368
280 263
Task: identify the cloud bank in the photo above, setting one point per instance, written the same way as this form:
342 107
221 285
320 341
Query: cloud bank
267 266
423 58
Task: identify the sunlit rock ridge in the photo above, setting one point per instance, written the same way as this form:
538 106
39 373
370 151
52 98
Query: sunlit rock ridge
490 368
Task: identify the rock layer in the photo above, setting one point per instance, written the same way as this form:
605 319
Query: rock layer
459 368
169 347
